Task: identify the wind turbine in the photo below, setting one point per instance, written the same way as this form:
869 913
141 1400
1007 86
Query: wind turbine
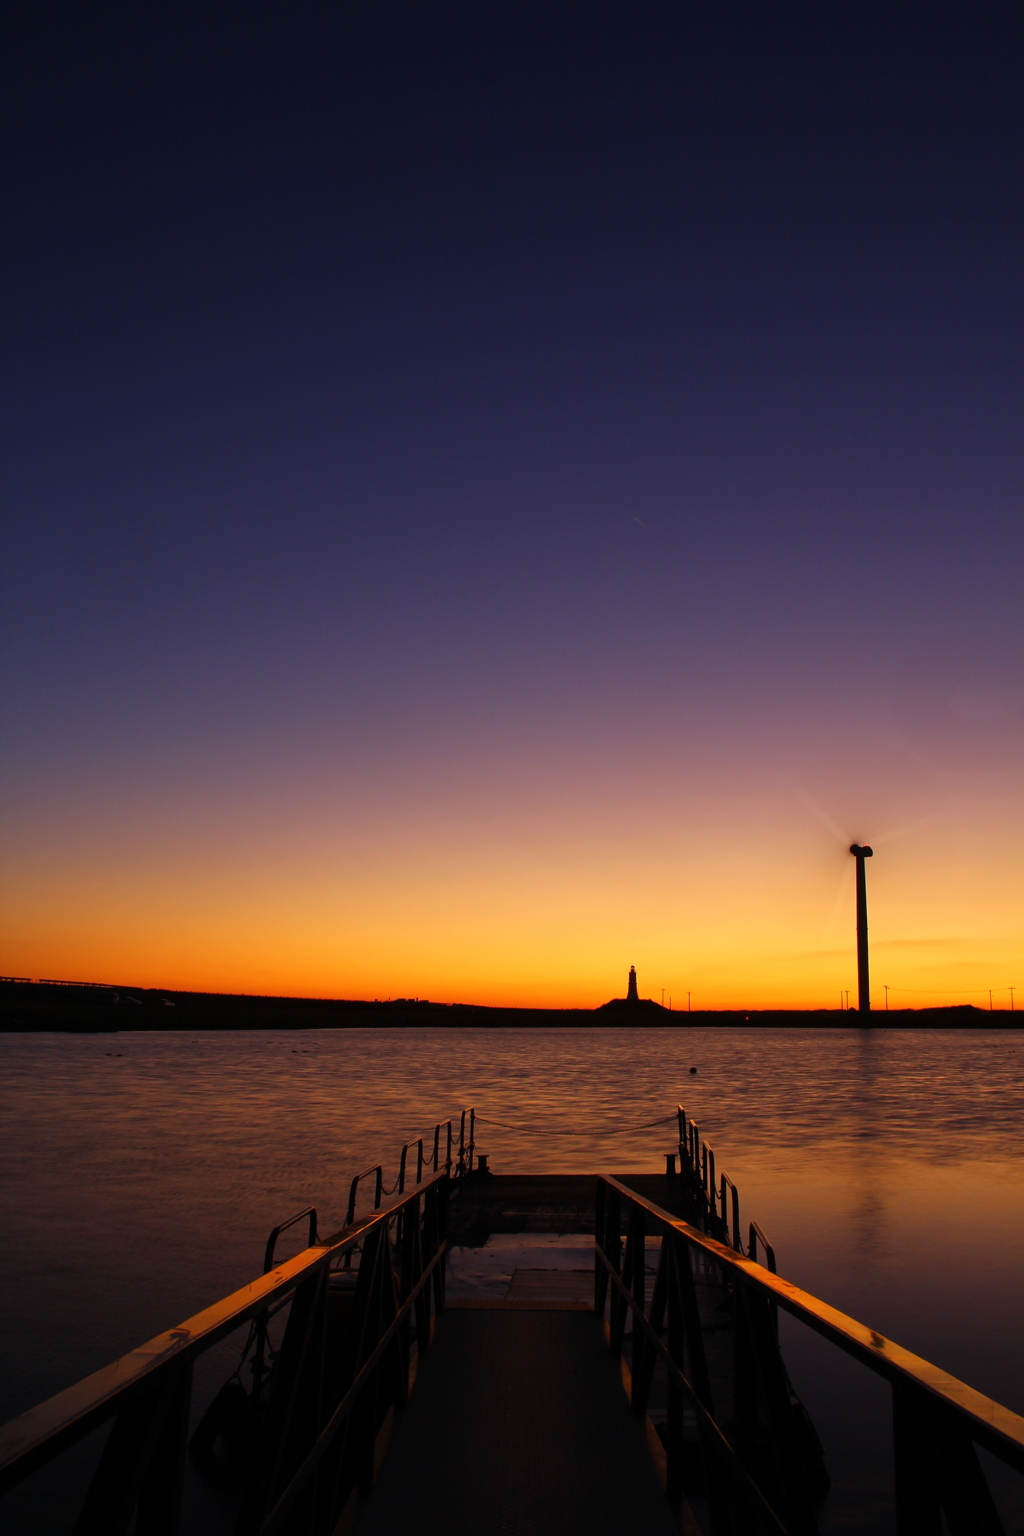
863 983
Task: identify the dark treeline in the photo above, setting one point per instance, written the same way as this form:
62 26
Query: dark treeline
28 1006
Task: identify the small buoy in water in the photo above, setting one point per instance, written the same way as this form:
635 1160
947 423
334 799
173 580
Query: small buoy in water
693 1071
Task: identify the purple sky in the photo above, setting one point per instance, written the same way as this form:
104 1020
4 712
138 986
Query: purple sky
427 429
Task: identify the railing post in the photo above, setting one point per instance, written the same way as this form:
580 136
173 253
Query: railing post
645 1358
769 1260
419 1160
142 1464
437 1145
753 1314
353 1458
612 1243
674 1452
408 1276
937 1471
441 1234
683 1297
613 1248
638 1241
472 1138
412 1269
159 1511
600 1273
291 1422
917 1499
429 1244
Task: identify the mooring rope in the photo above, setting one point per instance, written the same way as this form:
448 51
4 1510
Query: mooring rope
556 1130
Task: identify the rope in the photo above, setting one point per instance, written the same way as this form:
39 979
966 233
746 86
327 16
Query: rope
554 1130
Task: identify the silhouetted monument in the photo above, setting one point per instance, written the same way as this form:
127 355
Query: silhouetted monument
863 984
633 1008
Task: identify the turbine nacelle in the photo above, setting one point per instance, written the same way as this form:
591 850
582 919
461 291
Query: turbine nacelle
861 853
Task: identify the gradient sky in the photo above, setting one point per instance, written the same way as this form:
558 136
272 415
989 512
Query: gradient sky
493 494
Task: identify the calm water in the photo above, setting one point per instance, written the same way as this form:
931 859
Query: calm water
887 1168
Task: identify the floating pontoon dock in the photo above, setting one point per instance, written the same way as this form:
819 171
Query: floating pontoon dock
643 1390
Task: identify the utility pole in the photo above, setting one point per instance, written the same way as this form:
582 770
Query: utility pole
688 1002
663 997
863 983
990 999
887 999
1011 999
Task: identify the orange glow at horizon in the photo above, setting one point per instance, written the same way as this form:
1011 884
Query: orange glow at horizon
535 897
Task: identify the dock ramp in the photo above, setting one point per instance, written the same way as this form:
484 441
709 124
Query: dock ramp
641 1388
518 1424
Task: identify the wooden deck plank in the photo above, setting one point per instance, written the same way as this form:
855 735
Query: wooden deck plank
576 1285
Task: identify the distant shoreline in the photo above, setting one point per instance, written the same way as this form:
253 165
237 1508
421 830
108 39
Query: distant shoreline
38 1007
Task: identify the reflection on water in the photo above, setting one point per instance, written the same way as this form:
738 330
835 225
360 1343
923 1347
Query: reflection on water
887 1168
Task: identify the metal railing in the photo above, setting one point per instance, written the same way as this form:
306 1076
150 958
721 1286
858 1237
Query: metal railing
458 1166
716 1206
342 1368
762 1471
268 1253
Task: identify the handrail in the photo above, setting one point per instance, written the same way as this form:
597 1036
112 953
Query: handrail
708 1191
378 1191
737 1230
417 1142
465 1163
268 1256
996 1428
757 1231
36 1436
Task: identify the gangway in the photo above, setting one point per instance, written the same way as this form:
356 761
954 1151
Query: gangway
387 1409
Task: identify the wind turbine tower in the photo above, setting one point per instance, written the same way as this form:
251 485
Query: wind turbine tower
863 982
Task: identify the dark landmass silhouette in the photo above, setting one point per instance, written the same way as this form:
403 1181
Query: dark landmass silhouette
38 1006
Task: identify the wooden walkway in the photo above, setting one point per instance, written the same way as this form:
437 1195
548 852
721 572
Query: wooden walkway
518 1426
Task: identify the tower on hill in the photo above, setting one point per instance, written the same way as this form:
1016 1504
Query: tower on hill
633 1009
